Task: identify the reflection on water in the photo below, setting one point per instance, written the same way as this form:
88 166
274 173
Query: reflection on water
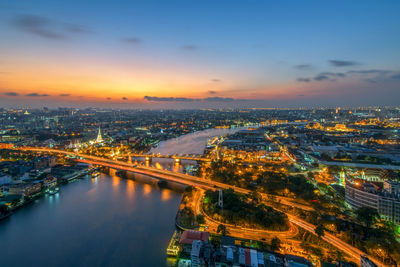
177 167
103 221
115 181
193 143
130 188
166 195
89 223
146 189
158 166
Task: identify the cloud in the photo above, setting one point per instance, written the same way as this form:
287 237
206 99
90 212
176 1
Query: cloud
221 99
376 75
11 94
185 99
108 98
303 66
369 75
215 80
396 76
167 99
132 40
211 92
64 95
372 71
124 98
342 63
329 76
47 28
321 77
306 80
37 95
74 28
190 47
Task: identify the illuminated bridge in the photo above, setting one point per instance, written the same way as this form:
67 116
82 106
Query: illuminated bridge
205 184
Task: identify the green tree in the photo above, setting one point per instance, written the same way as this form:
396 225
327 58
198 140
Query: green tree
200 219
320 230
368 216
222 230
255 197
275 244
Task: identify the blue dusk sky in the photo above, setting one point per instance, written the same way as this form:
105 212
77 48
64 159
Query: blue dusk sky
197 54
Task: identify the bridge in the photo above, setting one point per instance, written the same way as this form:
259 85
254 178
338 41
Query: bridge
204 184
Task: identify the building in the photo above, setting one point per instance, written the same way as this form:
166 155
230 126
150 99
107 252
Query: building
6 146
360 194
386 202
189 236
366 262
393 187
99 138
195 253
26 190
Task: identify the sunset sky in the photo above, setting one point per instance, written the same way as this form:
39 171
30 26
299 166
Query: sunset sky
195 54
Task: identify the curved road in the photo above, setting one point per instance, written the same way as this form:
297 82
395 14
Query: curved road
241 232
204 184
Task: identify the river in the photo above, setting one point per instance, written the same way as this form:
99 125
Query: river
106 221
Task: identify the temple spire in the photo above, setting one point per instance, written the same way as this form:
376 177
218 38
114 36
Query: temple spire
99 138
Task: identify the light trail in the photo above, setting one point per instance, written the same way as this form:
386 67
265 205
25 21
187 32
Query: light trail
204 184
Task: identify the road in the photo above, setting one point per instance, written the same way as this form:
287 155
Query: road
238 231
204 184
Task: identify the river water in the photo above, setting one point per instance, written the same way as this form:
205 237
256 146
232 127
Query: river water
104 221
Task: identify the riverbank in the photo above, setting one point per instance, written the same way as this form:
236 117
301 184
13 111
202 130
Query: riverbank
14 202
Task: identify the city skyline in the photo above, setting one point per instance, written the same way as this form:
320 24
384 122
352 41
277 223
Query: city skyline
183 54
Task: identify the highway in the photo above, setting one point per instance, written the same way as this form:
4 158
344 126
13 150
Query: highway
204 184
238 231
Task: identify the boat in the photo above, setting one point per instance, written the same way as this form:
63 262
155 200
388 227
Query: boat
52 190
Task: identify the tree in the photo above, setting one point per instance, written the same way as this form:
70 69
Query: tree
200 219
255 197
368 216
339 256
222 230
320 230
275 244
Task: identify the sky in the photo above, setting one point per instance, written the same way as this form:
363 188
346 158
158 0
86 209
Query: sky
199 54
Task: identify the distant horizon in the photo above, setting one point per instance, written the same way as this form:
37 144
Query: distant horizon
208 54
23 108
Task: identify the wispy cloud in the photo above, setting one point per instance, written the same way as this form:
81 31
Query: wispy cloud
190 47
11 94
342 63
132 40
371 71
220 99
47 28
370 75
37 95
124 98
185 99
216 80
211 92
396 76
305 80
303 66
64 95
